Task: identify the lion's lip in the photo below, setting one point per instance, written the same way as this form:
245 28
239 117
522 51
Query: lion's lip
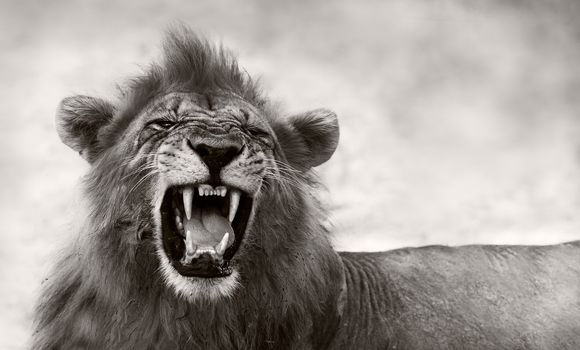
202 227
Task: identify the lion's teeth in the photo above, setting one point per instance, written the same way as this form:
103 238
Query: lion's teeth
234 202
204 189
190 247
221 191
179 224
221 247
187 197
208 190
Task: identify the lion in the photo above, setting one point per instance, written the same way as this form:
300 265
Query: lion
202 230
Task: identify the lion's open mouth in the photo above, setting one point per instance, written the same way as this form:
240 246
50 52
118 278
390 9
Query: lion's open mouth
202 228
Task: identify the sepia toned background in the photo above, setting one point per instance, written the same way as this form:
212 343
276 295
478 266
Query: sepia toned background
459 118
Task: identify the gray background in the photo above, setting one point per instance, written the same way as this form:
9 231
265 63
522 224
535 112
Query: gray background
459 118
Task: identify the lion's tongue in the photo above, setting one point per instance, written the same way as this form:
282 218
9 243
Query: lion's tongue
207 226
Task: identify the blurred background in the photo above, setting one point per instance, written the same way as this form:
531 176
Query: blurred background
459 118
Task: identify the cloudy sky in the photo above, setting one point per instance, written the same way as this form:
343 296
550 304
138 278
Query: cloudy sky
459 119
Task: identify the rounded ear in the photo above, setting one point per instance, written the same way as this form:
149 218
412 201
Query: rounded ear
308 139
78 121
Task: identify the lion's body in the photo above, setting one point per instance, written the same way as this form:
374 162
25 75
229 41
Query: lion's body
472 297
132 279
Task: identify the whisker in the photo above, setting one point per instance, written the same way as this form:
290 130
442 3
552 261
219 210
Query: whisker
145 177
144 167
284 182
130 159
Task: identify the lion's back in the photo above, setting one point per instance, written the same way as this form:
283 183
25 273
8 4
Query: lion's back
471 297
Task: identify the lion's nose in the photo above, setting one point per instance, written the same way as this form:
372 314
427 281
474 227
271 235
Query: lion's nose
218 155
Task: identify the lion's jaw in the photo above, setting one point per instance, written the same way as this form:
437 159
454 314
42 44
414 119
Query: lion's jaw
197 260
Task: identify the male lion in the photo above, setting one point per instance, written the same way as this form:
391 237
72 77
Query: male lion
202 232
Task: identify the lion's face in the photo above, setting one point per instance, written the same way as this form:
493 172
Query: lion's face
210 161
199 166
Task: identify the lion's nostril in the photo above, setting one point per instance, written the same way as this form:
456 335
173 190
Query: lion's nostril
216 156
203 150
232 151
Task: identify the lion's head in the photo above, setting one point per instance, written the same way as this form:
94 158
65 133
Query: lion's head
204 169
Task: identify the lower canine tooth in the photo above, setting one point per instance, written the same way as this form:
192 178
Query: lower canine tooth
221 247
190 247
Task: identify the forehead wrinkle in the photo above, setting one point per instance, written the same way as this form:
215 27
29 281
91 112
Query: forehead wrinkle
230 113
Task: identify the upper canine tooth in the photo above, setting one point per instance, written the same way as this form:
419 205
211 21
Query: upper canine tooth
221 247
234 202
187 197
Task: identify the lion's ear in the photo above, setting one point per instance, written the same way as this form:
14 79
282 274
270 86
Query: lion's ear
309 139
78 121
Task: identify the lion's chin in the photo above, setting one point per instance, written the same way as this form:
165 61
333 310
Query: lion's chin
194 288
